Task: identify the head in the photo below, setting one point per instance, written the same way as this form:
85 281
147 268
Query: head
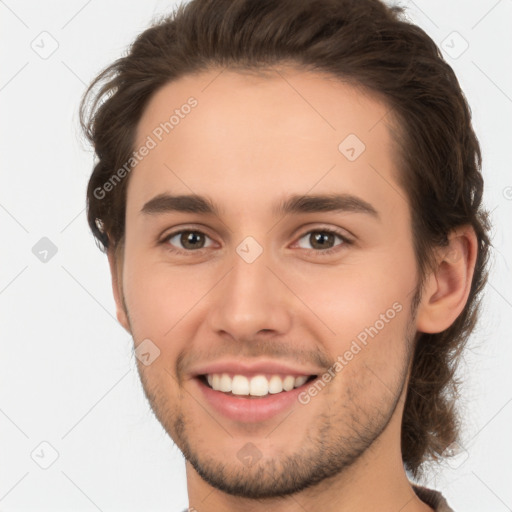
265 96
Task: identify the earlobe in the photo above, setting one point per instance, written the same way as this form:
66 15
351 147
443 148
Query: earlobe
447 288
116 272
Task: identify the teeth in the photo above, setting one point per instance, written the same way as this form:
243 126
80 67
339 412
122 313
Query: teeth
240 385
288 383
258 385
299 381
225 383
275 384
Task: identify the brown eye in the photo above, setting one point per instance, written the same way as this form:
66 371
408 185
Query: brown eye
192 240
321 239
189 240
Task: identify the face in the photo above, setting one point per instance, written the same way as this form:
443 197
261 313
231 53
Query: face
258 282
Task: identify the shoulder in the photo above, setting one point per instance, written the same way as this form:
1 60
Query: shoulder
432 498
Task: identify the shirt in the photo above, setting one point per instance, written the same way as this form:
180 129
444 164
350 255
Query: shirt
431 497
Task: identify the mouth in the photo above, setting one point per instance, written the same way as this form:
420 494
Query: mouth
255 386
252 399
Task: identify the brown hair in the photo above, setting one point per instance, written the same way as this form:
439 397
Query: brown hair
363 42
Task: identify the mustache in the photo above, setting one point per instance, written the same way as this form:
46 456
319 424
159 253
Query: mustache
270 349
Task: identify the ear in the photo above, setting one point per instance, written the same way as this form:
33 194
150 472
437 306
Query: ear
447 288
116 271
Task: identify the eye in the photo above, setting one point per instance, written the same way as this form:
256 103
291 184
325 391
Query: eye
190 240
322 241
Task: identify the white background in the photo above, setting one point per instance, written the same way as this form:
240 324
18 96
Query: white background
67 372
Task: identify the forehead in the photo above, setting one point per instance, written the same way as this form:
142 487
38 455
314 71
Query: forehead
238 134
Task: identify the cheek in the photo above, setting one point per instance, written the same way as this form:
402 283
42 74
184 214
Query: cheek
352 296
366 307
159 297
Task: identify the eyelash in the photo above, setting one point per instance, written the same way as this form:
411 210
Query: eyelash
318 252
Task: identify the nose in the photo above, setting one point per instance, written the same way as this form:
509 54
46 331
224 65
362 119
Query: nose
251 300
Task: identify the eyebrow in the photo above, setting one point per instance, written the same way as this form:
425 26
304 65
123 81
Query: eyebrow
193 203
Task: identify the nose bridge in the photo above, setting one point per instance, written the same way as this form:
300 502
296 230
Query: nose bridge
250 298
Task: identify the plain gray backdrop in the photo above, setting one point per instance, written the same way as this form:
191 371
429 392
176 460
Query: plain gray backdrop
76 432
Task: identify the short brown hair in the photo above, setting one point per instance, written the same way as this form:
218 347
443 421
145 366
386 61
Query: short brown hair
370 45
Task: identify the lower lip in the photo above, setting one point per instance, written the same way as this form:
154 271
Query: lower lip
251 410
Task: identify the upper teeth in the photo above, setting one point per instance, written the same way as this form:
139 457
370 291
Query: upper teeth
258 385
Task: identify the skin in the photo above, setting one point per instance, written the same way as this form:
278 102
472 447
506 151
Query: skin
251 142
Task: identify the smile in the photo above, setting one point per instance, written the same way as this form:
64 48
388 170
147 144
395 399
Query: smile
251 399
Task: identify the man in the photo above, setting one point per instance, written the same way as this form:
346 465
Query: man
289 195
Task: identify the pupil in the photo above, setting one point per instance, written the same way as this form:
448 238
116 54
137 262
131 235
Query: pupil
188 239
321 239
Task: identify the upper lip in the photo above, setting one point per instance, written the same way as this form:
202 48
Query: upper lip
241 367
